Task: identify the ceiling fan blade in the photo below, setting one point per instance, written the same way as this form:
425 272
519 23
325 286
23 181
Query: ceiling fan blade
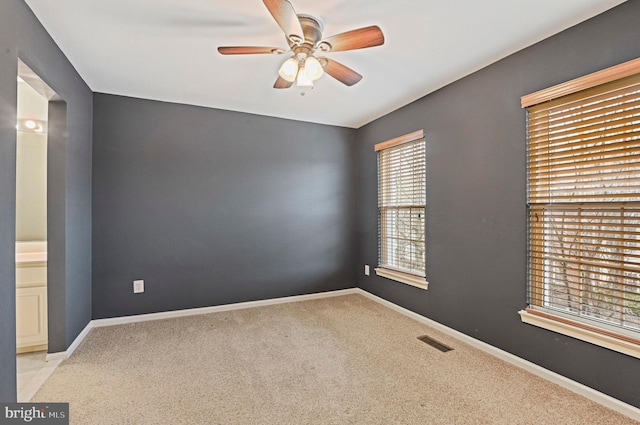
340 72
249 50
284 14
281 83
355 39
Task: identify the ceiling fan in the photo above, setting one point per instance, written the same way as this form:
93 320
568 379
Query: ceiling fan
304 36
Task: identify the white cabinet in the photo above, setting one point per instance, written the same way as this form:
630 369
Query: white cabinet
31 306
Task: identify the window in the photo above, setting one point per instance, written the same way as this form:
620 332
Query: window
401 209
583 174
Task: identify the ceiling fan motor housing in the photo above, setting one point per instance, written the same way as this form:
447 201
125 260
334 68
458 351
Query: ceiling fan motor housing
312 30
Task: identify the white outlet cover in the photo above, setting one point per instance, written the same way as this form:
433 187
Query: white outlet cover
366 269
138 286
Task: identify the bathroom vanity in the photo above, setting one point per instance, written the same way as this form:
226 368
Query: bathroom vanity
31 296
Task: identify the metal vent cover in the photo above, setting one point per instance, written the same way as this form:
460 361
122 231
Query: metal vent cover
435 344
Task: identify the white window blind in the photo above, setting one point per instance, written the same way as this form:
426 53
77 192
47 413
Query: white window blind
401 204
584 207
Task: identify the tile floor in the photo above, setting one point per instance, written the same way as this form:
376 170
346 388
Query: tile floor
33 371
28 365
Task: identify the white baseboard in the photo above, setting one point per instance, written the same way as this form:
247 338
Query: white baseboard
218 308
62 355
576 387
97 323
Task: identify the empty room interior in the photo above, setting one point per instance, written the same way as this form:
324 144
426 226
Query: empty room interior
349 212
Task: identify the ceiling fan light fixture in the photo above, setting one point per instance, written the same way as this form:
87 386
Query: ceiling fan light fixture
304 38
289 70
312 68
303 79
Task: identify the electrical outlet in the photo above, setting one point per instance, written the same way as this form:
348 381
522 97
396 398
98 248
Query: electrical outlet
366 270
138 286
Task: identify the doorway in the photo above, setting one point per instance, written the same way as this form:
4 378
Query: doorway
32 241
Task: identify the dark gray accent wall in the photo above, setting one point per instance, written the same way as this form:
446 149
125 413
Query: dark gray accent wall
212 207
476 196
22 36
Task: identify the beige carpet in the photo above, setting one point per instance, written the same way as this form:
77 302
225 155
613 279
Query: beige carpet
341 360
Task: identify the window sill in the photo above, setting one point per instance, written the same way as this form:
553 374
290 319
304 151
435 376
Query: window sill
579 331
403 278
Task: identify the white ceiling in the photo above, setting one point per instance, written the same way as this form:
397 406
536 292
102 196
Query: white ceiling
166 49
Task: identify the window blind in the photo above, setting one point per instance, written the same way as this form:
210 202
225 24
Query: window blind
401 204
583 172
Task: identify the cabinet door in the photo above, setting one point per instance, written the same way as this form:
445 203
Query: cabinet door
31 316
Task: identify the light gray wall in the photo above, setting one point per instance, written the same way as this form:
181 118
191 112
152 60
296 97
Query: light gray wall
31 187
22 36
31 169
476 200
213 207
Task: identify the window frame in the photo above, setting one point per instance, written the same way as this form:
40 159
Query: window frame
388 270
623 340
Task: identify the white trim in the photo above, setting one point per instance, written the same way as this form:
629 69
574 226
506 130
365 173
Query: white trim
403 278
62 355
576 387
587 335
217 309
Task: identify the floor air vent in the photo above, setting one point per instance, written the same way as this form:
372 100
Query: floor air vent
435 344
